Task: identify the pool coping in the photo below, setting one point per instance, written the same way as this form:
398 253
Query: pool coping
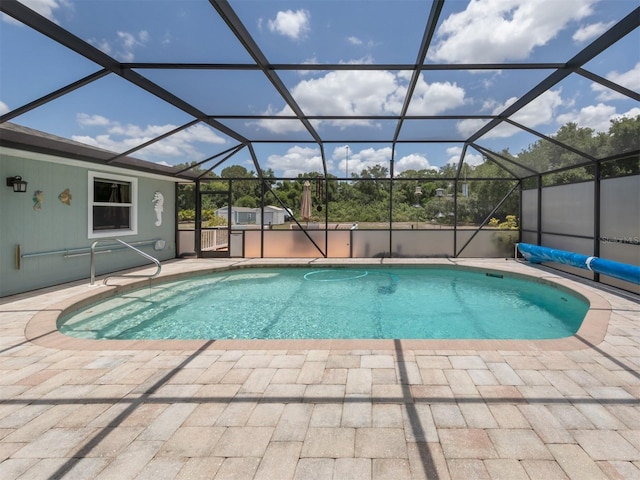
42 330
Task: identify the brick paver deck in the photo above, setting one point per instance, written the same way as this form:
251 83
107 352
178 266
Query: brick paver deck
305 410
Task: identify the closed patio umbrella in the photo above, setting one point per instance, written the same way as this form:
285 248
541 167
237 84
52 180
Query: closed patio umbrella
305 202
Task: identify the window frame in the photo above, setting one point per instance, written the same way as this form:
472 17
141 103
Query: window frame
133 205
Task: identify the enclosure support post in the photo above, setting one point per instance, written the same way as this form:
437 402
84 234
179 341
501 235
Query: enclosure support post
262 192
455 218
596 216
391 213
198 226
539 212
519 219
176 189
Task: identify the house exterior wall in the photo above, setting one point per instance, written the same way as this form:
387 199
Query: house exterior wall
57 226
245 218
252 216
275 216
272 215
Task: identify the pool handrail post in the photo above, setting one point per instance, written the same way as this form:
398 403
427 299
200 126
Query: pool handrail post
138 251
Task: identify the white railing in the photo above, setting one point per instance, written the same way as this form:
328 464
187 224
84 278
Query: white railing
214 239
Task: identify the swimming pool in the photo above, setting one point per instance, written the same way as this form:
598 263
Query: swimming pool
336 303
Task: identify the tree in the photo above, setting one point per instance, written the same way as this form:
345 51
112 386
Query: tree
366 197
242 188
623 136
373 184
193 169
485 195
246 201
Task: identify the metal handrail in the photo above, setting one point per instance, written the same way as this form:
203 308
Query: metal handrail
80 251
139 252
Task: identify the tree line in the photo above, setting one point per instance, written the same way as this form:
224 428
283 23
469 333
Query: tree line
428 195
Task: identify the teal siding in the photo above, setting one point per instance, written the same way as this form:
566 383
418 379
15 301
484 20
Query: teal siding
58 226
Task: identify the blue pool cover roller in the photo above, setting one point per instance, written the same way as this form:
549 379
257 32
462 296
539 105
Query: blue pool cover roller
621 271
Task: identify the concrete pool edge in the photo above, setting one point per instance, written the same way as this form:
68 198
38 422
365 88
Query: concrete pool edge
42 330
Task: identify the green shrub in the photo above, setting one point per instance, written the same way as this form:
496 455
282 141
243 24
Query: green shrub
186 215
510 224
216 221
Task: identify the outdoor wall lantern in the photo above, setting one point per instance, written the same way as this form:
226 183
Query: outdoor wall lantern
417 194
418 191
17 183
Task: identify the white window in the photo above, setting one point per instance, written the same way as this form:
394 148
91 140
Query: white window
113 205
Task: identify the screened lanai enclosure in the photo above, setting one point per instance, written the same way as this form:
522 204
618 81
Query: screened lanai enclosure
419 128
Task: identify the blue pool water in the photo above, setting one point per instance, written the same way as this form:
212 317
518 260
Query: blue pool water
368 302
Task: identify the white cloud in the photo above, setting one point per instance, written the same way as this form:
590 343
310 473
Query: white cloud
86 120
307 159
279 126
499 30
127 40
178 148
136 131
541 111
123 46
470 158
473 159
199 133
629 79
167 38
4 108
294 25
354 40
435 98
366 60
598 117
633 113
454 155
296 160
359 160
592 116
45 8
346 93
466 128
103 45
341 93
352 92
589 32
413 161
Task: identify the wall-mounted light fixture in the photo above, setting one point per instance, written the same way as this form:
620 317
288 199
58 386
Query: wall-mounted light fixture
17 183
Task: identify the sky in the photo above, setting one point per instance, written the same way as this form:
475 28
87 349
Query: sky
112 114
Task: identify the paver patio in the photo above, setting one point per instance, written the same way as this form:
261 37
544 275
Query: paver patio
303 410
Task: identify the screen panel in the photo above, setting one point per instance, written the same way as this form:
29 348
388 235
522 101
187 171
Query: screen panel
530 209
427 243
488 243
618 198
568 209
570 244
